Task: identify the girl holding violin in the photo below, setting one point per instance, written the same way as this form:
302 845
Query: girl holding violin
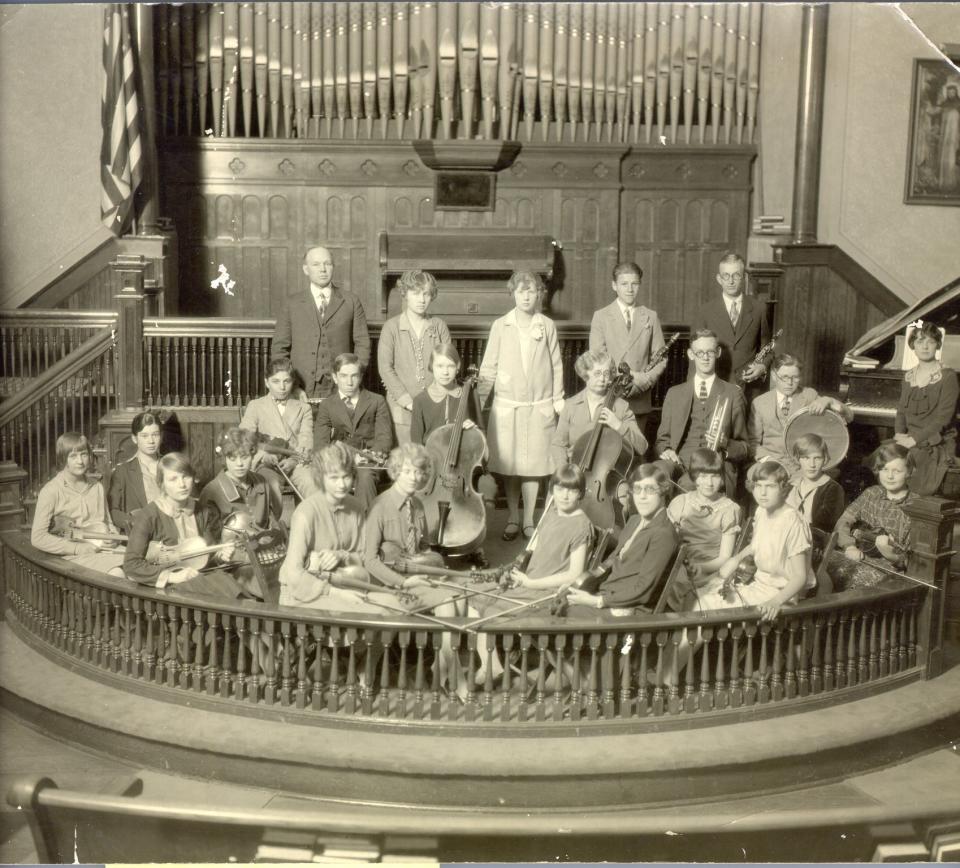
71 500
186 535
436 405
133 484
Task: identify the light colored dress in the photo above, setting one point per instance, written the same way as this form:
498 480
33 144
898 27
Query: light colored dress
522 368
775 540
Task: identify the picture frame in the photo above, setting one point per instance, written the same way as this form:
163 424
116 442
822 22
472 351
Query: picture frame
464 191
933 149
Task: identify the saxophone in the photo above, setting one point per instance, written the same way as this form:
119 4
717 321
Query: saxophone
765 350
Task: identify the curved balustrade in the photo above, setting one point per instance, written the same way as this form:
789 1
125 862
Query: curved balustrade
322 667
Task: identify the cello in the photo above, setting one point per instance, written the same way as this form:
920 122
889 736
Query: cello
456 517
605 459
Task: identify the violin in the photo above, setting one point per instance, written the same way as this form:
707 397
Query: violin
279 446
865 539
456 517
269 544
605 459
352 578
97 533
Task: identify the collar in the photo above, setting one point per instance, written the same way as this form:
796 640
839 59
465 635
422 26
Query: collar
230 489
167 508
403 324
317 292
510 318
781 398
80 487
395 497
896 500
646 522
728 302
354 398
805 486
623 308
697 380
911 375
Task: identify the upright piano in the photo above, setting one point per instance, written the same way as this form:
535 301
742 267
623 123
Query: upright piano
872 373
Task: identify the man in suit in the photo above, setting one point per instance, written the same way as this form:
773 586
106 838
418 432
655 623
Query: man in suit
318 324
629 332
740 323
688 409
359 418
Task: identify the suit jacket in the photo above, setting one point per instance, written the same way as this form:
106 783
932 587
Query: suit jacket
608 333
675 418
368 427
635 580
295 427
739 345
312 345
829 502
575 421
126 493
765 428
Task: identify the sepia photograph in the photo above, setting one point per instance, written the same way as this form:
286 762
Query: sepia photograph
499 432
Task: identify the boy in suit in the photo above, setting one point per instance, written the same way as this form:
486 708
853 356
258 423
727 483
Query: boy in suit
629 332
315 326
688 409
740 323
280 417
356 417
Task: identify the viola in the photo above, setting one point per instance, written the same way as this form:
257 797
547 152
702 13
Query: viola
605 459
279 446
456 517
97 533
865 539
353 578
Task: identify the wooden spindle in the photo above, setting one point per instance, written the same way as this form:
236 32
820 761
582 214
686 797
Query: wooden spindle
317 702
505 684
471 706
689 702
523 706
254 681
372 648
608 677
286 672
852 664
302 691
749 685
721 690
436 706
705 698
884 660
420 682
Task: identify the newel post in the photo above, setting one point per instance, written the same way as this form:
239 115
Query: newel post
130 306
931 544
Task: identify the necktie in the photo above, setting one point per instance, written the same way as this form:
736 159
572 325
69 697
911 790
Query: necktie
702 393
410 534
321 306
735 312
785 408
348 403
629 318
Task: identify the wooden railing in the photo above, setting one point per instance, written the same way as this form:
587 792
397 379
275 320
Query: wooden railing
559 672
32 341
72 395
222 362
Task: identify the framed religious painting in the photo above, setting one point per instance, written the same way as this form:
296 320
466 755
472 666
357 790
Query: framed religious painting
933 152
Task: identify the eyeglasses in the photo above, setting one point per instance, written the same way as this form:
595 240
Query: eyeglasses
646 489
703 355
793 378
599 374
730 278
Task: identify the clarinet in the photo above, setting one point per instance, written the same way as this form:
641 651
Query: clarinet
661 354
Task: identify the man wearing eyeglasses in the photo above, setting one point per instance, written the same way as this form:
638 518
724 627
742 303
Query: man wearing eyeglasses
688 410
740 324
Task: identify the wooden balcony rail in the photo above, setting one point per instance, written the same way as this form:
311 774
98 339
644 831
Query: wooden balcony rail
222 362
32 341
251 658
72 395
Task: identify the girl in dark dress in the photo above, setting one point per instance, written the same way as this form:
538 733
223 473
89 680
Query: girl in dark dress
437 405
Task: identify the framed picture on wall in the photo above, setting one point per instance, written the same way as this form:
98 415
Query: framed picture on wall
933 152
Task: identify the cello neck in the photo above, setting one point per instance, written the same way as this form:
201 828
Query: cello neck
586 462
453 450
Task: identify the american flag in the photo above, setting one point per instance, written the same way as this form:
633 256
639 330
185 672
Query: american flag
121 159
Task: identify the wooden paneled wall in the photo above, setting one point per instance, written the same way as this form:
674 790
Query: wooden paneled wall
254 207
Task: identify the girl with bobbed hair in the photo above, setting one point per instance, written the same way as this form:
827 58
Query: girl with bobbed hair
522 369
437 405
406 343
926 412
133 483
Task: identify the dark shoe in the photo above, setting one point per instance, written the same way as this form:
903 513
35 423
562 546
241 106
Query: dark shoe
510 535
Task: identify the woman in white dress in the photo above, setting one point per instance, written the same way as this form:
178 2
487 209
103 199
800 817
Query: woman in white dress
522 366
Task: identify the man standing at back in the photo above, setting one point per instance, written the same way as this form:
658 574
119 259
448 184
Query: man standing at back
740 323
317 325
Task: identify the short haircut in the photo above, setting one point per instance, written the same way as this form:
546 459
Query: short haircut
729 256
310 250
277 366
142 420
810 444
417 281
627 268
175 462
591 359
70 442
772 470
416 454
522 278
335 458
347 359
704 461
236 441
569 476
785 360
447 351
651 471
887 452
704 333
927 330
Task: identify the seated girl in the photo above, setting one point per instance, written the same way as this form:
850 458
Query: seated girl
169 521
879 512
707 521
437 404
817 497
237 487
559 547
781 547
71 503
636 570
133 483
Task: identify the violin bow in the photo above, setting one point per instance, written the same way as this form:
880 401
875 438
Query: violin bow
514 609
894 572
296 490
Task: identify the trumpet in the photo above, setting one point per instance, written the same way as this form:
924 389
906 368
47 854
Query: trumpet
715 436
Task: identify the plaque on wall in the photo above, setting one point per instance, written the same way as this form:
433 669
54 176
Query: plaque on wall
463 191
